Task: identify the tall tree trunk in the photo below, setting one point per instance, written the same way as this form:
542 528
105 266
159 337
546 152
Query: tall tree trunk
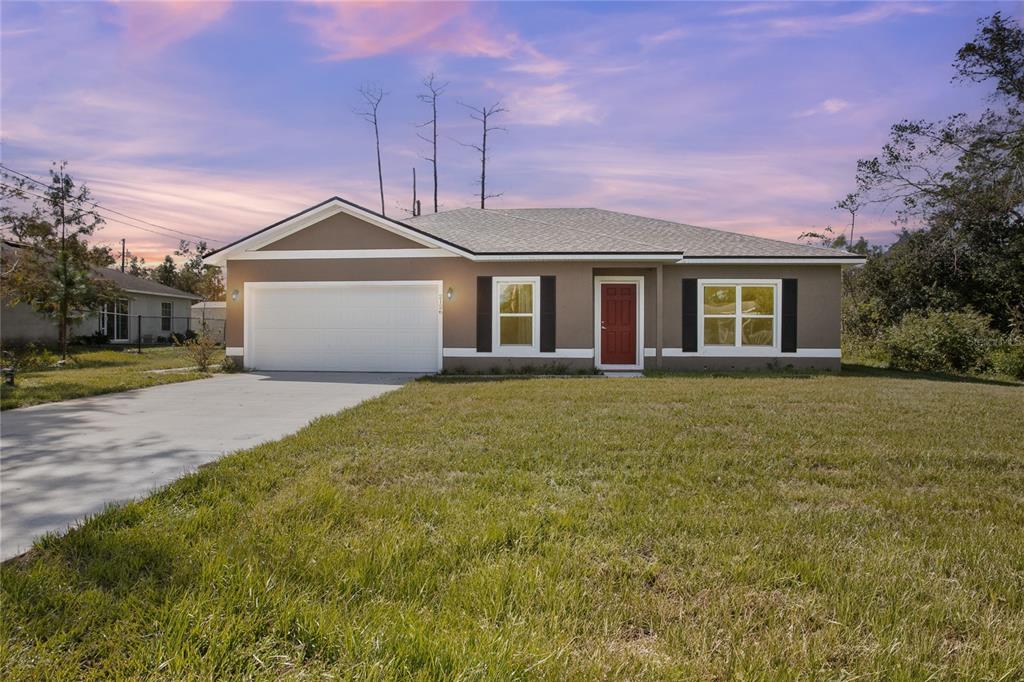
434 104
380 170
62 333
483 168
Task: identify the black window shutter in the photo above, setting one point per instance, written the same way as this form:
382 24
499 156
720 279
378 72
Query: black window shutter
483 314
547 314
689 315
789 316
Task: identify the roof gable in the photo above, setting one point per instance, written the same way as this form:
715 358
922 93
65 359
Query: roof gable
342 231
255 242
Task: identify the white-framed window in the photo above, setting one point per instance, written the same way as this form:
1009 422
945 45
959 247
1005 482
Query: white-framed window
114 319
516 309
166 315
739 316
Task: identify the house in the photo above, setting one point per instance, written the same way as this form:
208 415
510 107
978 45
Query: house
340 287
162 310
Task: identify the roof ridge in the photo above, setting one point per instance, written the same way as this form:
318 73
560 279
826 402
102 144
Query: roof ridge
728 232
577 229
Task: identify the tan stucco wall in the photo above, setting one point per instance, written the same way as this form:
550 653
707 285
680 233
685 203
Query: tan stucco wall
574 318
342 231
817 314
819 290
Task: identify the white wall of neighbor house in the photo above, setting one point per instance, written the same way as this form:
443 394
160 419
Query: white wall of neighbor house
21 324
155 328
211 316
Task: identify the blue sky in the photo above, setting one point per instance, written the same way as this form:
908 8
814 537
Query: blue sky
220 118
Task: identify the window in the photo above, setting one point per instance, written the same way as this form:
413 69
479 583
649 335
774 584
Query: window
739 314
166 314
114 320
516 311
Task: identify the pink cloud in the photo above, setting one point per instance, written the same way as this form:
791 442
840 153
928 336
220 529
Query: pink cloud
149 27
868 14
356 30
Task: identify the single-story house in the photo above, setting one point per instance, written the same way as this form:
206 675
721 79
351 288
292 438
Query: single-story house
162 310
340 287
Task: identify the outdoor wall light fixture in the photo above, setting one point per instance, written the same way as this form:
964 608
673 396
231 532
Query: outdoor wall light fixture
450 294
234 294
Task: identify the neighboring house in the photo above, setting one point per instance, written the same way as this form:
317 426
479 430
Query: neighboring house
162 311
339 287
210 316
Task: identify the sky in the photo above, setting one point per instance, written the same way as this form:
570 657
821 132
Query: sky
217 119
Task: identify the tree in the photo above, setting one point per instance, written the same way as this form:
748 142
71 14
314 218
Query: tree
54 270
958 189
196 276
851 203
434 90
483 115
137 266
372 96
166 273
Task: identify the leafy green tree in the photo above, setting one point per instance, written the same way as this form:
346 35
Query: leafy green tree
54 269
958 189
196 276
166 273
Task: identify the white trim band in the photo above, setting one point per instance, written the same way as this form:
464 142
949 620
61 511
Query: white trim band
772 261
584 353
233 350
753 352
313 254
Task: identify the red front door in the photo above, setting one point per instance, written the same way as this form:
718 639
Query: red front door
618 324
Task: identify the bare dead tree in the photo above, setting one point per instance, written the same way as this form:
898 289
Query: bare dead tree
434 90
851 203
483 115
372 96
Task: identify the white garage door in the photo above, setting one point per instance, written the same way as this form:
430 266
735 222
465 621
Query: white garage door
350 327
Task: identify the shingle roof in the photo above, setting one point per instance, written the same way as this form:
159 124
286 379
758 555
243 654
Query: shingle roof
124 280
594 230
139 285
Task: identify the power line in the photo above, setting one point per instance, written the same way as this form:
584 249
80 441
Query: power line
137 227
110 210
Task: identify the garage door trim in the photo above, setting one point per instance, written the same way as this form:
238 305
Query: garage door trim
250 287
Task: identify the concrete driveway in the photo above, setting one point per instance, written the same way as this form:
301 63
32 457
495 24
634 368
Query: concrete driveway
62 461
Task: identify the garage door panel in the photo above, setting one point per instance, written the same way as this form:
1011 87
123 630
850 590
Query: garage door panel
354 327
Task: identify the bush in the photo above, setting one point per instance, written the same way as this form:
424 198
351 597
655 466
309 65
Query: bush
1008 358
180 339
230 365
94 339
200 350
939 341
30 357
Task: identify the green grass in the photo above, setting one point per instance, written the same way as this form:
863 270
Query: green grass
93 372
866 525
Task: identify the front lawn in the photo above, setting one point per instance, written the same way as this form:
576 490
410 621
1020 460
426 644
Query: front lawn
864 525
94 371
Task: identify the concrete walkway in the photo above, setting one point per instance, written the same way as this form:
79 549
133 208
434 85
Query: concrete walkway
62 461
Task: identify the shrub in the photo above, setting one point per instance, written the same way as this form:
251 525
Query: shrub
180 339
30 357
1008 358
940 341
95 339
230 365
200 350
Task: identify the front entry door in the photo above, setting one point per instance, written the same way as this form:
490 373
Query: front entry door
618 324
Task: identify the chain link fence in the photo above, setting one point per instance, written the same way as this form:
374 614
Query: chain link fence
154 330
